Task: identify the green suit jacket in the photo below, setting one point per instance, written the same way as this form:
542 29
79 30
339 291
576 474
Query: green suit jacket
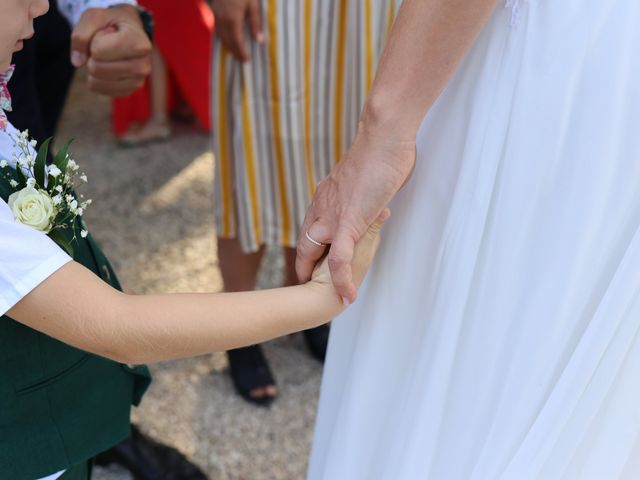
60 406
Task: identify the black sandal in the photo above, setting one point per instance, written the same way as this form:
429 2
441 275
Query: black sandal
250 370
317 339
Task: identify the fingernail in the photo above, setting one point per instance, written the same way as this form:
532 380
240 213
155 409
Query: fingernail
78 59
346 301
260 37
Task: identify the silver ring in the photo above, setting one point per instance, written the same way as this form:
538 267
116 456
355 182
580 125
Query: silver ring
315 242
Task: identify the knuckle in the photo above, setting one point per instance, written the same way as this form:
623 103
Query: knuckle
144 47
145 69
93 68
78 37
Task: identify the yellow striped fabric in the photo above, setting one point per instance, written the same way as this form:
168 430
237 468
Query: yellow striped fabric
285 118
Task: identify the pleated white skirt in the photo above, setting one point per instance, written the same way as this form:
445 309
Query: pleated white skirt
496 336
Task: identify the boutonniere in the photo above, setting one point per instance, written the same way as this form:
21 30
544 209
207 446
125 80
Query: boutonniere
43 196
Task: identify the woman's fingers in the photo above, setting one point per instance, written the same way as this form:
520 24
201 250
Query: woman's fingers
340 257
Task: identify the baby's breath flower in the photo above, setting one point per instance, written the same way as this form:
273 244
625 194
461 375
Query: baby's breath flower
54 171
72 165
41 208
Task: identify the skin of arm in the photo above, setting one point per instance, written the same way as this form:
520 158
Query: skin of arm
73 305
426 44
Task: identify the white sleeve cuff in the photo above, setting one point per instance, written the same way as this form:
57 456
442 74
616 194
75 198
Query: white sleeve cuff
31 280
73 9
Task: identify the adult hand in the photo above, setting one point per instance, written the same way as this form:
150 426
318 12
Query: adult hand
115 48
348 201
230 18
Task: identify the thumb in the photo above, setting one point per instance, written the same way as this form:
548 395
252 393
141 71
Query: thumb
90 23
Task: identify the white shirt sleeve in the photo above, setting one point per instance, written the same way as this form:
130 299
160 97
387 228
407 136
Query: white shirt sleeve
27 257
73 9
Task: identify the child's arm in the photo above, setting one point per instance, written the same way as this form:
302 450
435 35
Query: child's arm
76 307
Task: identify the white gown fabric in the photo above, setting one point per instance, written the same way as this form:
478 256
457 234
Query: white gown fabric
497 335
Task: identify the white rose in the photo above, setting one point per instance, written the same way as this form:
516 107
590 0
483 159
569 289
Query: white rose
33 208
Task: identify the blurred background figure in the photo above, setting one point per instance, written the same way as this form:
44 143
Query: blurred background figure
180 81
289 81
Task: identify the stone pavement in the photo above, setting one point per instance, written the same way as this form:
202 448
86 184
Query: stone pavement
153 215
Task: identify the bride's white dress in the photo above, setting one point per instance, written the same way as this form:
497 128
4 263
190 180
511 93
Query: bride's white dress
497 335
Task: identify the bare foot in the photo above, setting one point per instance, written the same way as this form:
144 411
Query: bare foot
151 132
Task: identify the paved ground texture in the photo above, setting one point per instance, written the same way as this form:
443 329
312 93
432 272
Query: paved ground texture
152 214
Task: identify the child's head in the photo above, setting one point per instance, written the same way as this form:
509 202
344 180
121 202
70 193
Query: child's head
16 25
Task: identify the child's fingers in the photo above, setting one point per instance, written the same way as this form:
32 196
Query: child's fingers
368 244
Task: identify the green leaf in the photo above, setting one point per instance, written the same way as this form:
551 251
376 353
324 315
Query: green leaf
40 167
61 160
22 178
58 237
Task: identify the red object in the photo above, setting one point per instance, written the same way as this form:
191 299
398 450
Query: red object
183 34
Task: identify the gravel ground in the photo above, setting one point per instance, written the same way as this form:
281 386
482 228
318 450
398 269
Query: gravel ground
152 214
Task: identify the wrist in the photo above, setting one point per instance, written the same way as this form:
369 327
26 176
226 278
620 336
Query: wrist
127 9
327 298
384 117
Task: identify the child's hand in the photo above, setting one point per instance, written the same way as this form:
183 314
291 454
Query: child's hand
363 256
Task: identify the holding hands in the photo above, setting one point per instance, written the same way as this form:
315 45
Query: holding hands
349 203
363 255
114 46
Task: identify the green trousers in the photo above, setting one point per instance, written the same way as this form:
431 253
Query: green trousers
79 472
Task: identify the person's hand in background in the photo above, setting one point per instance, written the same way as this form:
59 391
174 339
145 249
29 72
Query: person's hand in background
230 24
113 45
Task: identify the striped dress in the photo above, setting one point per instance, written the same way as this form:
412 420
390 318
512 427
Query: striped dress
282 120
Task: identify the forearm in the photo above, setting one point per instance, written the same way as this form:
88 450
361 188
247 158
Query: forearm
182 325
427 42
76 307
